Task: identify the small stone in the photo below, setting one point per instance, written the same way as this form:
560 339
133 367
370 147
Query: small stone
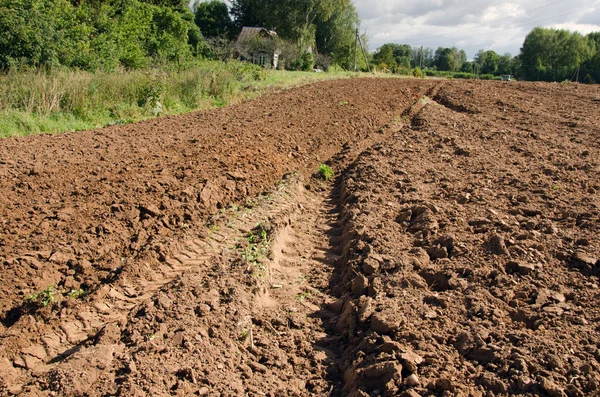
479 221
386 369
464 198
370 266
61 258
359 285
444 384
366 309
520 268
413 380
497 246
150 210
410 360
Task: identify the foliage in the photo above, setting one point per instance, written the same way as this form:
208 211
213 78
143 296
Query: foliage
220 48
393 56
325 172
460 75
323 27
323 62
256 247
95 35
212 17
77 294
422 57
449 59
554 54
418 73
37 101
42 298
336 35
488 61
67 100
305 62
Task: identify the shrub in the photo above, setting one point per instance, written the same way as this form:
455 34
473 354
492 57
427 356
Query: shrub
418 73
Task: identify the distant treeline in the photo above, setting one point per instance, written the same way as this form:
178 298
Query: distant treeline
107 34
546 55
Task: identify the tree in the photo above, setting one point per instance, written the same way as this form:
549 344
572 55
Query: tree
590 69
394 55
326 26
507 65
554 54
336 35
488 61
212 17
96 34
384 57
294 20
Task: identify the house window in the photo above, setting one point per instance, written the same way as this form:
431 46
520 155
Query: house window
261 59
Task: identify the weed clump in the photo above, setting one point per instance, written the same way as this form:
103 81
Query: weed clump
42 298
325 172
255 249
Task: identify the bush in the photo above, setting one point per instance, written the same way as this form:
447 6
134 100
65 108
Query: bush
323 62
94 35
418 73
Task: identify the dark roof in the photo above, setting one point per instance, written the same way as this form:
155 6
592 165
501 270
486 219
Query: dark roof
249 32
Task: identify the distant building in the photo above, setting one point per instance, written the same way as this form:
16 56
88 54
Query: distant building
260 52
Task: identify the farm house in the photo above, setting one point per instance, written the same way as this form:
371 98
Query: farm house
258 45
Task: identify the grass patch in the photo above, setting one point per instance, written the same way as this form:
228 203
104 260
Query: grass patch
64 100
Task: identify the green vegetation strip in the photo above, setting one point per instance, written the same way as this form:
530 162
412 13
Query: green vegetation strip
59 101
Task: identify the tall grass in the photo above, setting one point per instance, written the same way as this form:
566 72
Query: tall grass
65 100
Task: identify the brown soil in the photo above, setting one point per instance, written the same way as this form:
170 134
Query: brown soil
457 252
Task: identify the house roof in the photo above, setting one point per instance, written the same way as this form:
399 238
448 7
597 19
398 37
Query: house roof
249 32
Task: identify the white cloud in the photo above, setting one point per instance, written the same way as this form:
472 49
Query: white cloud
471 24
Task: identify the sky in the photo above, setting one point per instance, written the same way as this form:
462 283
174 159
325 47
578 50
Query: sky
499 25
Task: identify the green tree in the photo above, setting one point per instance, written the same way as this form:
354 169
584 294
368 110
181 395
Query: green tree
336 35
488 61
212 17
449 59
553 54
384 57
294 20
49 33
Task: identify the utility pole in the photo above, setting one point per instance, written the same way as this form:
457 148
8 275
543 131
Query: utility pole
355 49
578 67
362 48
421 62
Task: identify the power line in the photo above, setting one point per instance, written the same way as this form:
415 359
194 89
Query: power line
523 24
494 21
462 15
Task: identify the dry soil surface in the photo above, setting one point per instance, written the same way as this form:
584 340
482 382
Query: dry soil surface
456 253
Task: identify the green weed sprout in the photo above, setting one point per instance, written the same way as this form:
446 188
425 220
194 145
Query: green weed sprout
325 172
42 298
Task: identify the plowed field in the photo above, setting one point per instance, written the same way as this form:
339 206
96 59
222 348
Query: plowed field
455 253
